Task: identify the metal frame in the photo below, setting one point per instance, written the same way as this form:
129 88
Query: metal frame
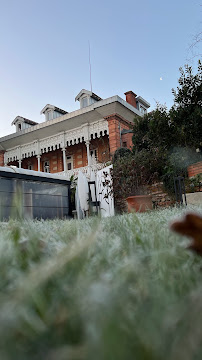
96 202
180 190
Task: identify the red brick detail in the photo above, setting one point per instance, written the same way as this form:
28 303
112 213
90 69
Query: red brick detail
127 138
116 124
125 123
131 98
2 157
195 169
102 146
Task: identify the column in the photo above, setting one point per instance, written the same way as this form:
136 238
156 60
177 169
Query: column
64 159
20 163
114 121
38 158
88 152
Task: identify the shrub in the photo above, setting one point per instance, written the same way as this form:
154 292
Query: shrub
130 177
120 153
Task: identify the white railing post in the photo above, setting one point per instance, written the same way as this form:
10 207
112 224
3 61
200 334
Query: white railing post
38 158
64 159
88 152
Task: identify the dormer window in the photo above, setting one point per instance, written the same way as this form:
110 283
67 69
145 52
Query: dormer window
22 123
84 102
52 112
87 98
143 110
142 105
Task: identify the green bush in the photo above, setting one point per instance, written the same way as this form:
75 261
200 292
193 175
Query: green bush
121 153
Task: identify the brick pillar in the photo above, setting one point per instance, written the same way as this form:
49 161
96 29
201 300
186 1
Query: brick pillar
2 152
114 123
127 138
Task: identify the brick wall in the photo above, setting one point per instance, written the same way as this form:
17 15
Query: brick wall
102 147
55 161
2 158
116 124
114 133
127 139
195 169
25 162
79 153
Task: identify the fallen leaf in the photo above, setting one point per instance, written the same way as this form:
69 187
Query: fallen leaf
191 226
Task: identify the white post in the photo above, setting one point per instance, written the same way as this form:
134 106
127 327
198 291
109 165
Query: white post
5 162
38 157
20 163
64 159
88 152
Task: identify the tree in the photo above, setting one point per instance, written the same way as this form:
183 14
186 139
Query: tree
186 114
158 133
153 131
182 125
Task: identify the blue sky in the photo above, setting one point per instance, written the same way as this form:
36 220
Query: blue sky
45 56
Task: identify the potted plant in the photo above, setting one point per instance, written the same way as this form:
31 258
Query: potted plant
140 198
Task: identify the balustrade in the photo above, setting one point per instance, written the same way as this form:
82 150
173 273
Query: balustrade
86 170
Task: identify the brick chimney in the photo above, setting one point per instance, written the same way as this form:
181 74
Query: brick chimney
131 98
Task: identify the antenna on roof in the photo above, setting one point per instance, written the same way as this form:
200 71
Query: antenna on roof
90 66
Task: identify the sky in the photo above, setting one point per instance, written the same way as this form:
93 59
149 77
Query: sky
134 45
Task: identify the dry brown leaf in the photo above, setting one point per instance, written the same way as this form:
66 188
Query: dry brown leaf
191 226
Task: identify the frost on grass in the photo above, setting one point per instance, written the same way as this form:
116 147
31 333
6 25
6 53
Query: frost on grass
117 288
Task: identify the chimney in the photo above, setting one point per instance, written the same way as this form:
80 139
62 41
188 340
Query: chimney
131 98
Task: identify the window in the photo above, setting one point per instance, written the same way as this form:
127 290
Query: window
125 144
19 127
84 102
143 110
49 115
93 154
69 162
91 101
46 166
30 167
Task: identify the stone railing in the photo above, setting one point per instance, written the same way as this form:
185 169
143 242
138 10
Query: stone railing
86 170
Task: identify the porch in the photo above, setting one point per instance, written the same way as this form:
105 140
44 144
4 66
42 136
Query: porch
64 154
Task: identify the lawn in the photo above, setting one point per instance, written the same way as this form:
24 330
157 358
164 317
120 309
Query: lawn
117 288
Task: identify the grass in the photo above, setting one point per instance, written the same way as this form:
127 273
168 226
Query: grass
117 288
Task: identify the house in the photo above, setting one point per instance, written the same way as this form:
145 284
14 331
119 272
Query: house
65 142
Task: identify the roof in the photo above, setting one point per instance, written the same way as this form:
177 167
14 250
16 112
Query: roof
95 112
27 121
54 108
89 93
14 172
143 101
